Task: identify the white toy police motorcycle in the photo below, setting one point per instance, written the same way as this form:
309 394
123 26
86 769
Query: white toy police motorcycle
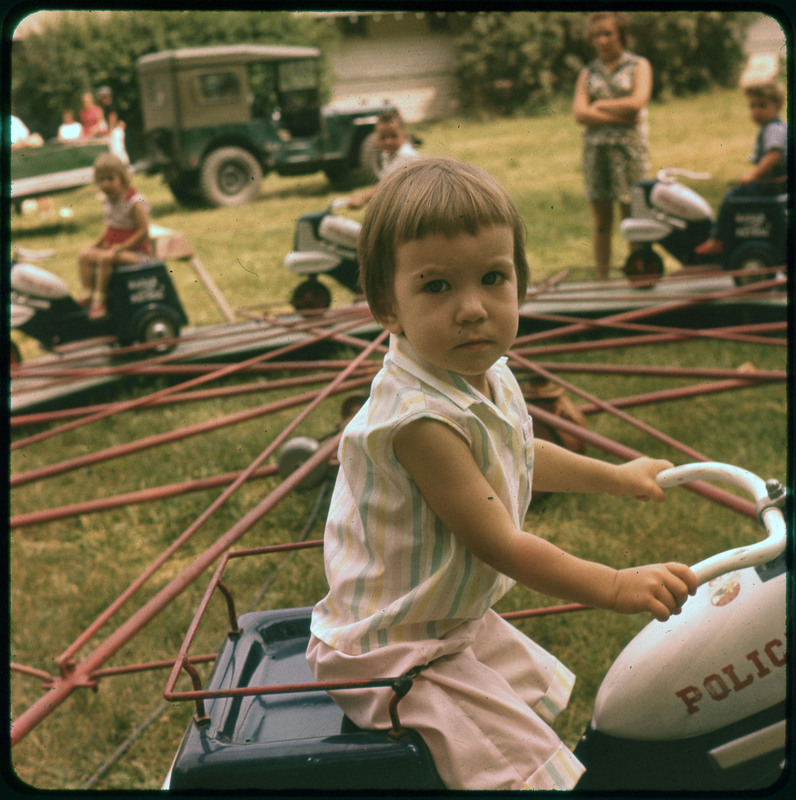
695 703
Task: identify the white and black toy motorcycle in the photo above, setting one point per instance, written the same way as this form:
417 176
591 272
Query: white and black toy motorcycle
697 703
324 243
667 213
143 306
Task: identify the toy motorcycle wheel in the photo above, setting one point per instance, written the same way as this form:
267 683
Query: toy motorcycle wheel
294 453
230 176
755 259
311 295
158 326
643 267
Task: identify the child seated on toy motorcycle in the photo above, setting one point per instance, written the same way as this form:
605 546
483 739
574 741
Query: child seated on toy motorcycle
424 532
395 148
770 172
125 238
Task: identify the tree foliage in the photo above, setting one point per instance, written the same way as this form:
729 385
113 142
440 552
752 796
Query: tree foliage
78 51
515 62
692 51
507 62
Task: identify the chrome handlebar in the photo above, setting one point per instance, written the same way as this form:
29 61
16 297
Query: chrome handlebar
769 497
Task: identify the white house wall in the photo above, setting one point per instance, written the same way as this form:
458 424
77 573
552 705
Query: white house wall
400 60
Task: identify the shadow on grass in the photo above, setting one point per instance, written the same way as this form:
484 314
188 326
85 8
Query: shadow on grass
47 227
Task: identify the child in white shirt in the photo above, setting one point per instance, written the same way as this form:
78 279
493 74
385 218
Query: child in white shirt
395 150
424 531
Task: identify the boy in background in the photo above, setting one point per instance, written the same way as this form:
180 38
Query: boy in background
769 174
395 149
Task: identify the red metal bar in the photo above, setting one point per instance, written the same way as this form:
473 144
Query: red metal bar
268 549
35 418
147 399
579 326
751 376
177 434
626 341
186 397
32 672
732 501
567 608
636 423
689 333
195 368
280 688
664 395
130 669
133 498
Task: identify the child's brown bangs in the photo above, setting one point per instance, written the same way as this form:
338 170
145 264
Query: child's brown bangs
449 207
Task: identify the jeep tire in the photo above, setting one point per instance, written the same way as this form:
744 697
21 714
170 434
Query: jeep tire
185 191
230 176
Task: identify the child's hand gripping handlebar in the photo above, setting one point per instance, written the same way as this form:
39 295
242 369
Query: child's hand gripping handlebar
769 497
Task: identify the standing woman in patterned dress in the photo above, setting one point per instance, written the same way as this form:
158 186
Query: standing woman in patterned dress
611 97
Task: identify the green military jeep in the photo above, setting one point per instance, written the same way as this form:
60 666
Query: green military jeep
217 119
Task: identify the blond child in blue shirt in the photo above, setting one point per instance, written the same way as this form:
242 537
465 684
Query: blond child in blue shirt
424 532
768 176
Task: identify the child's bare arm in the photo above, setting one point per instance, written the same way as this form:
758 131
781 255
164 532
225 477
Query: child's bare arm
141 218
360 199
100 240
585 112
762 168
631 104
616 110
441 464
557 469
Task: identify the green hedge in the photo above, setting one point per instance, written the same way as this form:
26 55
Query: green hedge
515 62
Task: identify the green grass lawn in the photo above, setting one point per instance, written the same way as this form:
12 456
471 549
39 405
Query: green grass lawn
536 158
65 572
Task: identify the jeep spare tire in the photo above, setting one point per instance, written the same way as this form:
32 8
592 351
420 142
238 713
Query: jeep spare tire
369 163
230 176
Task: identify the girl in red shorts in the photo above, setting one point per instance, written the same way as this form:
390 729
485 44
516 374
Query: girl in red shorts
125 238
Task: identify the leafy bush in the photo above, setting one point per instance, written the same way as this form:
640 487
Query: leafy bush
692 52
79 51
514 62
